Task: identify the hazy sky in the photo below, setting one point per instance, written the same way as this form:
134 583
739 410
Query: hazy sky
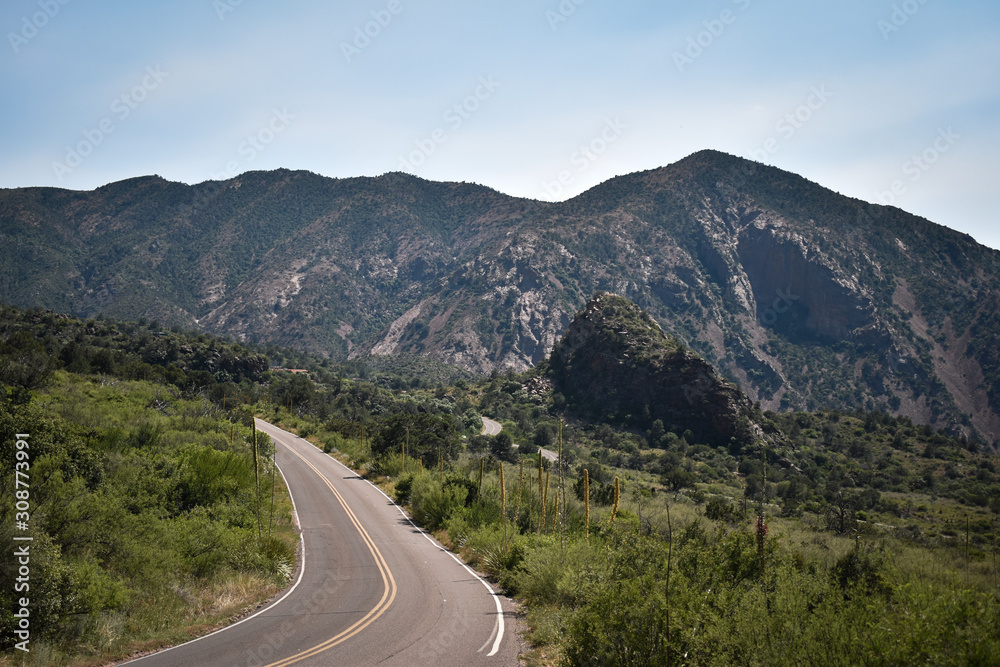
890 99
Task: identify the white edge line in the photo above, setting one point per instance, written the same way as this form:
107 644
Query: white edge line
302 548
499 625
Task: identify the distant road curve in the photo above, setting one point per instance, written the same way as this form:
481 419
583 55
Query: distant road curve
373 588
491 427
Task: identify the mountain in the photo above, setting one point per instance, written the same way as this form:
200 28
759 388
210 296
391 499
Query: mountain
615 364
803 297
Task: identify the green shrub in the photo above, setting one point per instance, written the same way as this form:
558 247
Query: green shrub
431 502
404 485
720 509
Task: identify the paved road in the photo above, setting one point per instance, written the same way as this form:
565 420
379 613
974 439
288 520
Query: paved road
374 589
491 427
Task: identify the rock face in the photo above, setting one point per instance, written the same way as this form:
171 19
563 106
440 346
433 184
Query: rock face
615 363
805 298
798 293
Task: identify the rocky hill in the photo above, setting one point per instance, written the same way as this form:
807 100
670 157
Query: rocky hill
803 297
616 364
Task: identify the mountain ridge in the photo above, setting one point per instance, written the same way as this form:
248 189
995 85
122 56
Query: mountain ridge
804 297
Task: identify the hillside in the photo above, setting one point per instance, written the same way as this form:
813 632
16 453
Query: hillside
803 297
860 527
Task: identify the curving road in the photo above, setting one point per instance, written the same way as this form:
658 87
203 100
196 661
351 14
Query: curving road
374 588
491 427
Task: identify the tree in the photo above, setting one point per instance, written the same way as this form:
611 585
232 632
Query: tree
299 392
544 436
24 362
428 435
502 448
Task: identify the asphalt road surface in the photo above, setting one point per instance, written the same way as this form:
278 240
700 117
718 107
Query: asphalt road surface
374 589
491 427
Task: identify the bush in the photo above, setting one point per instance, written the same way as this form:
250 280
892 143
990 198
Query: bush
863 570
404 485
334 442
431 503
720 509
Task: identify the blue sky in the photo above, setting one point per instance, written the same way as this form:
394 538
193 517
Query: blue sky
891 101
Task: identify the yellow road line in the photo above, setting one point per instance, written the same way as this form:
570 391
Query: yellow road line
389 583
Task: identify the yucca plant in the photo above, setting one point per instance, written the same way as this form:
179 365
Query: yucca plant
545 503
503 503
618 495
405 443
520 488
541 496
256 478
561 510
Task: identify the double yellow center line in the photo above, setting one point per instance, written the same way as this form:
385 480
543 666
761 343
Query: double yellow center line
389 584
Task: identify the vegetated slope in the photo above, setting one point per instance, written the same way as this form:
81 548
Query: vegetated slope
806 298
147 520
615 364
137 467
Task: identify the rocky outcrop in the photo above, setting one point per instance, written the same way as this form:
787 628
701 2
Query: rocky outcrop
616 364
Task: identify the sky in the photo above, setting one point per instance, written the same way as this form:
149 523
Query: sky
889 101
